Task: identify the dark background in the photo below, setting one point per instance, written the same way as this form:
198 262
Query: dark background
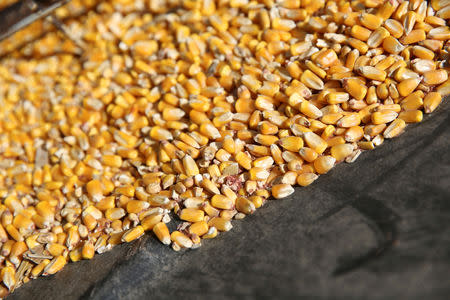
374 229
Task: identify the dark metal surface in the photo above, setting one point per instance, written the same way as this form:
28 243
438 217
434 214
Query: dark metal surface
375 229
25 12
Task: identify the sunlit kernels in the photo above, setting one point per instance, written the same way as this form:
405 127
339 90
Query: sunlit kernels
55 265
220 224
8 277
349 120
14 233
136 206
308 154
372 73
282 190
306 179
199 228
168 104
115 213
411 116
315 142
292 143
324 163
340 152
354 134
435 77
394 129
383 116
371 21
95 190
243 160
88 250
133 234
190 166
392 45
162 233
191 215
355 88
439 33
112 160
311 80
377 36
431 102
181 239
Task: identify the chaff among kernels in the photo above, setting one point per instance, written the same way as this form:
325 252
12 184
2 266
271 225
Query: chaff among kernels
201 108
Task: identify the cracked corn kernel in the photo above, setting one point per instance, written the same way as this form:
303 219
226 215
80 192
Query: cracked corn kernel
207 122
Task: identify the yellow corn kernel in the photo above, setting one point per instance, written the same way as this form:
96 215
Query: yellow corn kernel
355 88
162 233
340 152
371 21
150 221
354 134
114 161
383 116
310 110
243 160
94 189
181 239
392 45
14 233
220 224
192 215
292 143
282 190
324 163
199 228
8 277
411 116
212 233
431 102
133 234
394 129
435 77
222 202
55 265
315 142
245 206
360 33
311 80
407 86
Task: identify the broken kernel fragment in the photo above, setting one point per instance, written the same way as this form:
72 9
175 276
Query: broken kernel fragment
204 118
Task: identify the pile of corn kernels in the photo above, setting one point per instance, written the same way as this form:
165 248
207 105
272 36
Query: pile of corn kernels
196 111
